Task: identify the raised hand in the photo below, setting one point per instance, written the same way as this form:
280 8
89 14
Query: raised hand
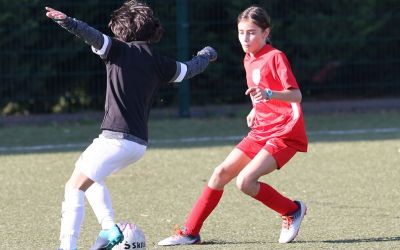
209 52
55 14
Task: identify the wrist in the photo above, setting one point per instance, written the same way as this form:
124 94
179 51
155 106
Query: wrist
67 22
268 94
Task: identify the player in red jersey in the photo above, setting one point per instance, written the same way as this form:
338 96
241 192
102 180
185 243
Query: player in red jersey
277 133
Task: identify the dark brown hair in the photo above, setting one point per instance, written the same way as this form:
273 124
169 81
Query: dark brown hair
135 21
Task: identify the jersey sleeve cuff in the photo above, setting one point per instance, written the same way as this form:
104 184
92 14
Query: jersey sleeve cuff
181 70
103 49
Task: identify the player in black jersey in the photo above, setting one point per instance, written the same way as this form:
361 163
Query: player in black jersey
134 74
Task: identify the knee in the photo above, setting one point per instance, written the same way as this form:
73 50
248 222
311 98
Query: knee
220 176
245 184
71 185
79 181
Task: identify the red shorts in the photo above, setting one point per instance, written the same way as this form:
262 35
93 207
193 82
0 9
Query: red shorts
281 152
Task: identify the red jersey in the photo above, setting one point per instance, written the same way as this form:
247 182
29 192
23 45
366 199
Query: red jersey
269 68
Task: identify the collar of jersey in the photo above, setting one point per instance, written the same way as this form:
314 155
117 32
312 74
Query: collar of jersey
261 52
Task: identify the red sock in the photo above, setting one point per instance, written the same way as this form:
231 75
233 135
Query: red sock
202 209
274 200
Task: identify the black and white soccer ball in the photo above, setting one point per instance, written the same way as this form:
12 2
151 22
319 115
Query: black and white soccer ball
133 237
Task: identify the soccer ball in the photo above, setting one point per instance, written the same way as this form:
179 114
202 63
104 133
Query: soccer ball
133 237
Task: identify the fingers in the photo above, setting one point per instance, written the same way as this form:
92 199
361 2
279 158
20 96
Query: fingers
54 14
251 90
256 93
209 52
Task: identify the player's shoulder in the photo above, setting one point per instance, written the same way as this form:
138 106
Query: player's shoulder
275 52
162 57
277 55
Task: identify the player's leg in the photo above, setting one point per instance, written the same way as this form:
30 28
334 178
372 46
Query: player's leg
247 181
99 199
73 209
103 157
111 156
208 200
271 157
212 192
119 154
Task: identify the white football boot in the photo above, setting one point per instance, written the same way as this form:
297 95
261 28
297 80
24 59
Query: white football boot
291 223
180 238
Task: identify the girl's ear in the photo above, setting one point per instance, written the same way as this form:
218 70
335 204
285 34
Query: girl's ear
266 32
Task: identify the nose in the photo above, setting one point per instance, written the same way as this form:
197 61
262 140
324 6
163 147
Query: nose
247 37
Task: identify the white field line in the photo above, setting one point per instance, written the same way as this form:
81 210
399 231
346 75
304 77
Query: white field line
193 140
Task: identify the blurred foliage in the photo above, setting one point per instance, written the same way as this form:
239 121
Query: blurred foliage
337 49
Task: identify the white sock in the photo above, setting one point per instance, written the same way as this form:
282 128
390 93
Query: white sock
100 201
73 211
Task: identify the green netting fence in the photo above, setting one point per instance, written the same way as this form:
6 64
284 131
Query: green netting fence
338 50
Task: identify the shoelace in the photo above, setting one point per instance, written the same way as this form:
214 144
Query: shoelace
287 221
178 231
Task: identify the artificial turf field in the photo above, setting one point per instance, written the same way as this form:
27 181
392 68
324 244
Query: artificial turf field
349 180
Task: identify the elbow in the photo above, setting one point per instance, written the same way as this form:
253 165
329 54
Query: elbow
299 97
296 95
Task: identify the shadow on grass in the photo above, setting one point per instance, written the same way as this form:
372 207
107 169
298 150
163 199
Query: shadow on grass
351 241
221 242
339 241
378 239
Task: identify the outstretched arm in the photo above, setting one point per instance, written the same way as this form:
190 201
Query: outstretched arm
91 36
200 62
196 65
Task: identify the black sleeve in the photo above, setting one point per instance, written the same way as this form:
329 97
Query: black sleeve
169 69
196 66
82 30
182 71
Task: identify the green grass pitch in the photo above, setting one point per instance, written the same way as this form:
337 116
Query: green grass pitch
349 180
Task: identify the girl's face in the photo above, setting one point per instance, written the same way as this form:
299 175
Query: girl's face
251 37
